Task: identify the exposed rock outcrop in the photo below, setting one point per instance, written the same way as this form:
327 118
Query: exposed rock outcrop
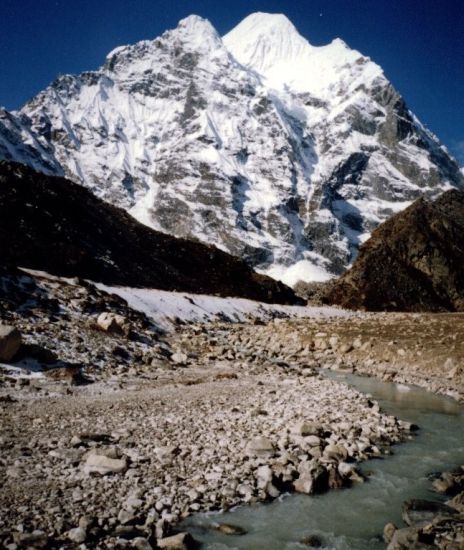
412 262
51 224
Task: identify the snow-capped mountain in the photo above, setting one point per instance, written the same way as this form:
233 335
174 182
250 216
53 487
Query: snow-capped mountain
277 151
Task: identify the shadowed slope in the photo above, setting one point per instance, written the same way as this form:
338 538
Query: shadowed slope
412 262
51 224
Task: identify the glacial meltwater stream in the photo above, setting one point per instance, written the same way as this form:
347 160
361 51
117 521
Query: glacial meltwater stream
354 518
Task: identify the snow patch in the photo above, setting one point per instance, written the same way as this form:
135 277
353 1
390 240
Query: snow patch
168 308
304 270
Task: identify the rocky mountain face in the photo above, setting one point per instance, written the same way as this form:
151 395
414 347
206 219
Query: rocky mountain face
412 262
279 152
54 225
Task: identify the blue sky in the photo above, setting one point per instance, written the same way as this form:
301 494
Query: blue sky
419 43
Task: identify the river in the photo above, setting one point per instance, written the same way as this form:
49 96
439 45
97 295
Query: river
353 519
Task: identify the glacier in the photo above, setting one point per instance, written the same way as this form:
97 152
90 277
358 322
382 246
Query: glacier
283 153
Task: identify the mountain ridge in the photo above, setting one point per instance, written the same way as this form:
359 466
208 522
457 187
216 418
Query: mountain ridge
187 134
412 262
50 224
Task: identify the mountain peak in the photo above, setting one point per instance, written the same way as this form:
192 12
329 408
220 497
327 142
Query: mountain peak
268 22
263 39
199 32
271 45
194 23
280 152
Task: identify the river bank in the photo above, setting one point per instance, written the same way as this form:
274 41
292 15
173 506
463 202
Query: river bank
150 428
105 464
426 350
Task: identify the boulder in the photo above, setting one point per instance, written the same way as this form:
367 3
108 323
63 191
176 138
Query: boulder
449 483
336 481
336 452
304 484
260 446
388 532
77 535
345 348
141 543
264 475
457 502
179 358
313 441
420 512
313 541
10 342
38 352
307 428
404 539
113 323
36 539
334 341
101 464
181 541
229 529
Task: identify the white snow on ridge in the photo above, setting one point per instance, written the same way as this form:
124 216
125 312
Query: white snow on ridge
282 153
271 45
166 308
304 270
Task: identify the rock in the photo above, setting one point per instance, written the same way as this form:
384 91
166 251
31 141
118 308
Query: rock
307 428
126 517
345 348
457 502
264 475
10 342
260 446
181 541
388 532
141 543
404 539
333 341
229 529
320 344
345 469
77 535
245 489
336 452
38 352
335 479
127 532
179 358
113 323
313 541
449 484
75 441
103 465
36 539
357 343
313 441
419 512
71 374
304 484
455 372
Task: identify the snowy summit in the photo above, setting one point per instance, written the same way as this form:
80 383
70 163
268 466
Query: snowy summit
282 153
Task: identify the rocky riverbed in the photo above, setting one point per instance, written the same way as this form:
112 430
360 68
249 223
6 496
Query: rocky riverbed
128 463
112 432
426 350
